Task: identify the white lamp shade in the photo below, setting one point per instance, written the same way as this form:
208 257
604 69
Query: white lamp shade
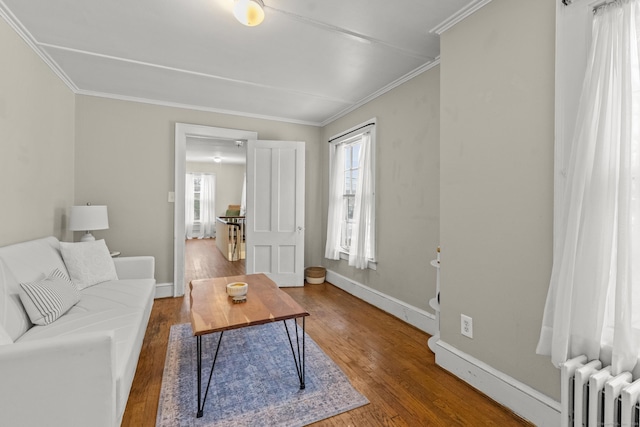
88 218
249 12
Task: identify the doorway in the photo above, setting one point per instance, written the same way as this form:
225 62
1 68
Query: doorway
203 260
184 131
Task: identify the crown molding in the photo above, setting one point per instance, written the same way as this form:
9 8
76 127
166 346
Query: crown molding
28 38
416 72
459 16
193 107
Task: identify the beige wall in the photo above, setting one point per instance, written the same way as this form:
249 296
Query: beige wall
36 144
125 159
407 183
229 181
496 189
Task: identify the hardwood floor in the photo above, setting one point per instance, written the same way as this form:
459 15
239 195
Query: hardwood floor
386 359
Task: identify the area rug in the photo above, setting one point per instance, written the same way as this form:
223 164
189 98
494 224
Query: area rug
254 382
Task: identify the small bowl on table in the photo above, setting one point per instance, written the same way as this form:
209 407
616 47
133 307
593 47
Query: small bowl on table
237 290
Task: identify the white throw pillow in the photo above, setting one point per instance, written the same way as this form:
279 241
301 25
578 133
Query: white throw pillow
4 337
45 301
88 263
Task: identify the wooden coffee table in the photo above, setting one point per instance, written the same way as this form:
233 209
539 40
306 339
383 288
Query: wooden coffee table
212 310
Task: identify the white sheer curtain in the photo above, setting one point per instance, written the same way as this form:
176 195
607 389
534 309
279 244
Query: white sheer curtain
593 304
336 193
362 248
207 222
243 200
189 206
207 207
363 233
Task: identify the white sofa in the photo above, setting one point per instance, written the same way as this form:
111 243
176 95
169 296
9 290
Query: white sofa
78 370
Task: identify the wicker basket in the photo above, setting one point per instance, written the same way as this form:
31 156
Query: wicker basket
315 275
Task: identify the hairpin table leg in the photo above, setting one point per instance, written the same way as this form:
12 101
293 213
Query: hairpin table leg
298 358
201 400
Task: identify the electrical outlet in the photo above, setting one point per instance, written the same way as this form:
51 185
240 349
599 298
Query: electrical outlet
466 326
171 198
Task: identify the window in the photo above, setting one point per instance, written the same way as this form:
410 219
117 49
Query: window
351 158
351 213
199 205
197 185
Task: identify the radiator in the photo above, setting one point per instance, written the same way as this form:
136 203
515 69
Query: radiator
591 396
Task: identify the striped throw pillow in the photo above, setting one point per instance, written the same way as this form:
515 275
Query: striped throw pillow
48 299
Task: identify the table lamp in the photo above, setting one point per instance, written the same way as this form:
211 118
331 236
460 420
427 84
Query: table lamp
88 218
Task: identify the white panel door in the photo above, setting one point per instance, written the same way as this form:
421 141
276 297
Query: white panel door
275 210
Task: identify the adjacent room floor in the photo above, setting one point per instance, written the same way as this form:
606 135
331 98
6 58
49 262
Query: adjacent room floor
386 359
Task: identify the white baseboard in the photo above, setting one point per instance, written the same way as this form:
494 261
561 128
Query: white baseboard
164 290
528 403
419 318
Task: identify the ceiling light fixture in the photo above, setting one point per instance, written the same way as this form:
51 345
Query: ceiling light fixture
249 12
217 159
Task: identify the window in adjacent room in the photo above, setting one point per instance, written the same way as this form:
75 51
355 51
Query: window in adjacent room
200 206
351 215
197 185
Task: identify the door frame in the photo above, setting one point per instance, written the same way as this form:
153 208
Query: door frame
182 131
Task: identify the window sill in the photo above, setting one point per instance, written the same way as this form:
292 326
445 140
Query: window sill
372 265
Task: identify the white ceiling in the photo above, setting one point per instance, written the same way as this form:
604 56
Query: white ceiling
309 62
203 150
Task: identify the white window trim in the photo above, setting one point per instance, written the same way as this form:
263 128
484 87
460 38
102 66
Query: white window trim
343 137
372 265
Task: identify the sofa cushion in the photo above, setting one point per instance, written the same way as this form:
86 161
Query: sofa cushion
48 299
88 263
132 293
4 337
13 317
